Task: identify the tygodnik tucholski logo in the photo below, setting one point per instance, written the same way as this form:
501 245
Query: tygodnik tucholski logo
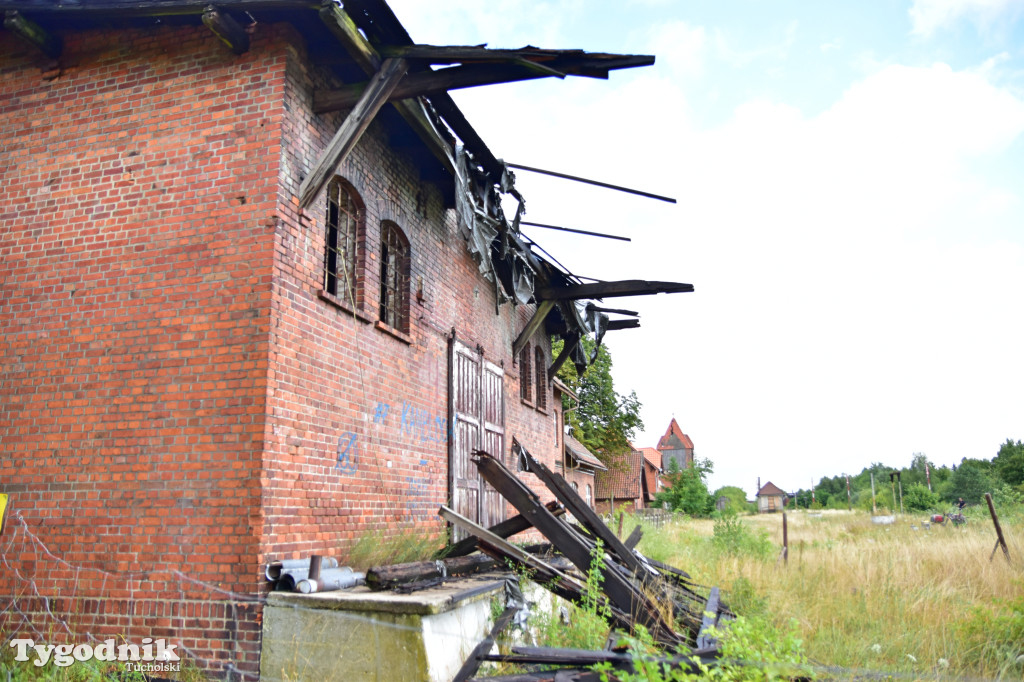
151 656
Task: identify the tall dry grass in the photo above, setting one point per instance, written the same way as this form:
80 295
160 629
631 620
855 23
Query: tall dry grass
888 599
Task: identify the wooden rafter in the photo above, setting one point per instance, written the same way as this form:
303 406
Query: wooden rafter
369 60
355 124
476 74
227 29
543 308
626 287
30 31
622 324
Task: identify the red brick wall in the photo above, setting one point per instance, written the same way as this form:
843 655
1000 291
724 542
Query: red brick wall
175 393
136 237
357 431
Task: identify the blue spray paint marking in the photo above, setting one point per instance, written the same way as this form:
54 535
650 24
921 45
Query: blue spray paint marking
348 454
380 413
419 423
417 500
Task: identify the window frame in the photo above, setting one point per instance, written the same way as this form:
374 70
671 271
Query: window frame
343 200
395 301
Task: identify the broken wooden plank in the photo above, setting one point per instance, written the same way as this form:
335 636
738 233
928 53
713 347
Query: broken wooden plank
33 33
620 592
387 577
458 54
626 287
369 60
473 661
543 308
622 324
634 538
575 231
596 183
505 529
617 311
355 124
710 619
568 347
227 29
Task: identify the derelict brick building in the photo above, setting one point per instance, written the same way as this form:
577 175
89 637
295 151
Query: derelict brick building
243 321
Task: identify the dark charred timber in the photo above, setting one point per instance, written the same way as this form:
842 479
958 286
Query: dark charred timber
33 33
626 287
634 538
570 345
388 577
622 324
620 592
710 620
227 29
505 529
472 663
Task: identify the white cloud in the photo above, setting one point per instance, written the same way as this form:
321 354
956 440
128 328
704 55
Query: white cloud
680 46
928 16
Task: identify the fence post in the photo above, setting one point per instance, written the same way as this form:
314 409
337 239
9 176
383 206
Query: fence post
1000 540
785 539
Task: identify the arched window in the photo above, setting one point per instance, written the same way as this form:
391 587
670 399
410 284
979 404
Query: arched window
394 277
540 370
525 374
589 499
344 234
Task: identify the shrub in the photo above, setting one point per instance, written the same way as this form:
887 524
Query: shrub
732 537
918 498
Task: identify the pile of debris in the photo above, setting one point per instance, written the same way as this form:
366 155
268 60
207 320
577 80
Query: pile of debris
635 590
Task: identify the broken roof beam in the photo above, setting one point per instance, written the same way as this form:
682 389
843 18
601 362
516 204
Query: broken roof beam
227 29
622 324
457 77
539 315
355 124
625 287
459 54
33 33
339 23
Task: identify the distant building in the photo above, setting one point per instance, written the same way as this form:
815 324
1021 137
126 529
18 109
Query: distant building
621 487
770 498
675 446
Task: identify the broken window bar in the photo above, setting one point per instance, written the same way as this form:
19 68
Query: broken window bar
598 183
570 229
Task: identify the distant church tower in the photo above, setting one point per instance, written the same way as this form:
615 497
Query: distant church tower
675 445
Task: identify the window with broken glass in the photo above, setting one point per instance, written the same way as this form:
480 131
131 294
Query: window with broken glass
540 372
525 375
344 230
394 277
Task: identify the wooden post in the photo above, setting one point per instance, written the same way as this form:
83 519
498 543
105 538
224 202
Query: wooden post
849 498
785 539
874 507
899 481
621 515
1000 540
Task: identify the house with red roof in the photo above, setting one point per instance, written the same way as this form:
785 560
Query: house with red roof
622 486
770 498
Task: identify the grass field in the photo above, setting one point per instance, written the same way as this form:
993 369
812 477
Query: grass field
869 599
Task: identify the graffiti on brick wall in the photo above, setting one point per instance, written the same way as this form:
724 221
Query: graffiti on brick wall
348 454
417 500
414 422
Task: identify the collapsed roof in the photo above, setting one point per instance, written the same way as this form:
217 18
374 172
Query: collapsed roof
389 78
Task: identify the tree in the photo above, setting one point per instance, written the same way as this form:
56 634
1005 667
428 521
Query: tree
1009 463
604 421
918 498
971 481
737 503
688 489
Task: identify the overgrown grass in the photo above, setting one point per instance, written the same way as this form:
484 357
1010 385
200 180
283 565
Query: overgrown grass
83 671
890 599
371 549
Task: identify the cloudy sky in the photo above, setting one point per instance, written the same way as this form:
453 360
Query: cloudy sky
850 185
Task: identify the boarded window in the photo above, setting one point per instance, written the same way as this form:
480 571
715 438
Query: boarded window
344 232
525 374
394 277
540 371
478 409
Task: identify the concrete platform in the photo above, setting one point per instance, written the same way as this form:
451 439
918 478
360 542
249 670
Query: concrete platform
359 635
